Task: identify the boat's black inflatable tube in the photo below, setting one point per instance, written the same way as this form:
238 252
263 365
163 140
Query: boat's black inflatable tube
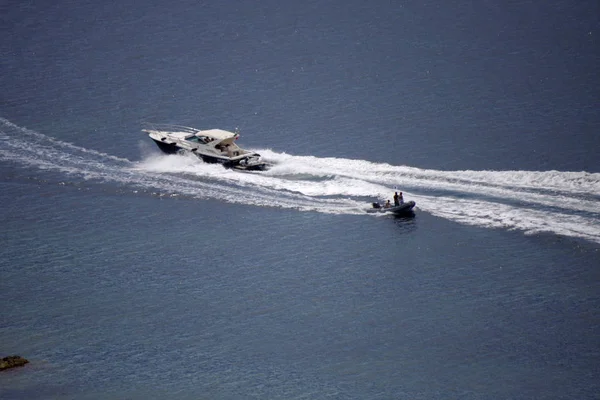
403 208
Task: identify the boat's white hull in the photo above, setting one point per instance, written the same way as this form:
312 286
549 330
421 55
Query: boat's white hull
243 163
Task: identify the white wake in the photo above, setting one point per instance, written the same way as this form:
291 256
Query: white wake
563 203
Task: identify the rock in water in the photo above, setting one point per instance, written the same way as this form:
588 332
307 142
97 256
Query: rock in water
12 362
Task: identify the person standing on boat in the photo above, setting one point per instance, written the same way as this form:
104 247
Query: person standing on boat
396 199
401 198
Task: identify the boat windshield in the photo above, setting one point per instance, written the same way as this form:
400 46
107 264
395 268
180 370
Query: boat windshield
200 139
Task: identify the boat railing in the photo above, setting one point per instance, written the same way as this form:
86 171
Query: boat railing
170 128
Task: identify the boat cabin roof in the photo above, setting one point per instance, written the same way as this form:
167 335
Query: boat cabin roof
213 136
218 134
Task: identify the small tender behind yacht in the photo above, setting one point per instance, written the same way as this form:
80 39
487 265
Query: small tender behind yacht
212 146
401 209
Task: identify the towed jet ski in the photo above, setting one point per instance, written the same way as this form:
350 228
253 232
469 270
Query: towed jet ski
212 146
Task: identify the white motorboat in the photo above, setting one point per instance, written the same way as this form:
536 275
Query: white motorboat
212 146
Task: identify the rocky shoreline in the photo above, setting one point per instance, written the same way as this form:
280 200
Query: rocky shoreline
12 362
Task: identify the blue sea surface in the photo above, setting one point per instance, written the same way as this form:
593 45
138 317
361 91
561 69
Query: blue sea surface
129 274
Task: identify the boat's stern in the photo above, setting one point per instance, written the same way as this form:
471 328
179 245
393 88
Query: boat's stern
252 162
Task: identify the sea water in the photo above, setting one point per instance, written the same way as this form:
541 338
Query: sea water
127 273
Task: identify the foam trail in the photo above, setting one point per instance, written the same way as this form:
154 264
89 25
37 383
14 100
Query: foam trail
563 203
